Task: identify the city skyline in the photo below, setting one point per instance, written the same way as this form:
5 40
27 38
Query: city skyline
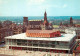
38 7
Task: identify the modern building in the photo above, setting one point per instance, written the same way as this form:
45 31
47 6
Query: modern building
70 30
76 49
60 44
73 30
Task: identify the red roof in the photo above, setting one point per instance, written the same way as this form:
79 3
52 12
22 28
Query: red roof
41 31
78 48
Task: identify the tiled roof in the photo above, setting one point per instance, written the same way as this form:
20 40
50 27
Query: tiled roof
41 31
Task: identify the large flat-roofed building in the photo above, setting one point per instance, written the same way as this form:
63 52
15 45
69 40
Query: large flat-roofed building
43 33
64 43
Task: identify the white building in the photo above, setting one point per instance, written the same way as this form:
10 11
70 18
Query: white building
64 43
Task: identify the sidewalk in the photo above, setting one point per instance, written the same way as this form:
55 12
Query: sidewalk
10 52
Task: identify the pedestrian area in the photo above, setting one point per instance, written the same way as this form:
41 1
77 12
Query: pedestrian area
9 52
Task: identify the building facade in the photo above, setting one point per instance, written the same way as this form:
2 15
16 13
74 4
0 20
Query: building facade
37 24
43 33
34 24
8 28
61 44
5 32
69 23
76 49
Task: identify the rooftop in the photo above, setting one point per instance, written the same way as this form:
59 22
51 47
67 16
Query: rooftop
10 52
64 37
35 20
41 31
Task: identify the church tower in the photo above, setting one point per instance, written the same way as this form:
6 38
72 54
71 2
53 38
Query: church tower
61 23
45 25
25 21
0 24
71 21
45 16
45 19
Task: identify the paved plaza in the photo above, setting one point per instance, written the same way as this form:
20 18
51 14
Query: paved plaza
9 52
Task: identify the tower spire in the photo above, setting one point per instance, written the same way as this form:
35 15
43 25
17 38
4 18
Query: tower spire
45 18
45 12
71 21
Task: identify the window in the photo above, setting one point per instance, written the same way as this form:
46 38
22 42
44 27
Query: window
56 35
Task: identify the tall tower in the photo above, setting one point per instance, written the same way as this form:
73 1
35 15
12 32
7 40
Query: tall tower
25 21
25 24
71 21
45 16
0 24
45 19
45 25
61 23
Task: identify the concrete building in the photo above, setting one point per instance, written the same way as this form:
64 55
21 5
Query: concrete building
60 44
73 30
70 30
76 49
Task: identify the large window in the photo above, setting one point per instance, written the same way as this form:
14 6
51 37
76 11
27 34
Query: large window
53 42
35 44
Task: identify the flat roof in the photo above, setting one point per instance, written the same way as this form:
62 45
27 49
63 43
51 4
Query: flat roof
64 37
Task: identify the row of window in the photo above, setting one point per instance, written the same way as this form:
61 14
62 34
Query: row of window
43 45
38 42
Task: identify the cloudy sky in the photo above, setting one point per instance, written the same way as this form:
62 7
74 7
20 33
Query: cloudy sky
38 7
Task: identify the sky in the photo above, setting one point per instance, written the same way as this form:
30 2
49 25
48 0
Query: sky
38 7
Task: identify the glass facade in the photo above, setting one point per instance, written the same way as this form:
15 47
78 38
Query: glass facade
35 43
